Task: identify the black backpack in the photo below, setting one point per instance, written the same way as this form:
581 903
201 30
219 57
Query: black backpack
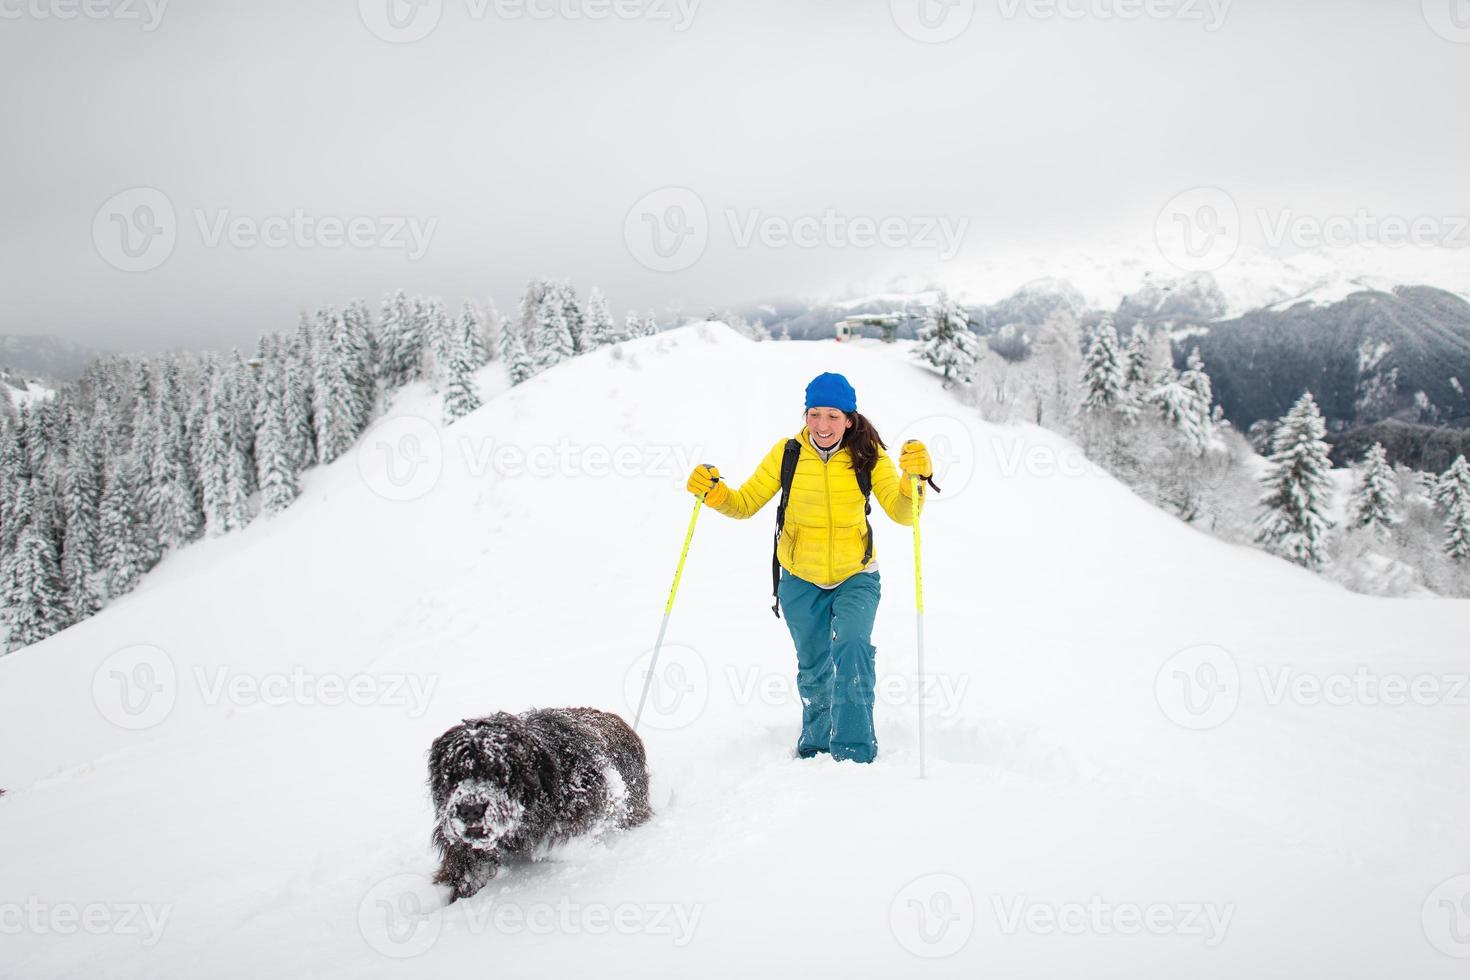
788 470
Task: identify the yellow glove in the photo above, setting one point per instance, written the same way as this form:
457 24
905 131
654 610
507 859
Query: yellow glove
705 482
913 460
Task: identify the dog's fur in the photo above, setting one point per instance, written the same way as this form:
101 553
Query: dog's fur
506 784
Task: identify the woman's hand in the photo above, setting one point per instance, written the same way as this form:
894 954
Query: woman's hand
705 482
913 460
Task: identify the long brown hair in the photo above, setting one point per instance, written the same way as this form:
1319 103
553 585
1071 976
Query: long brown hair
865 444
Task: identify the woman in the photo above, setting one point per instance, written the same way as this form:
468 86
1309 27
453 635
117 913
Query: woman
830 595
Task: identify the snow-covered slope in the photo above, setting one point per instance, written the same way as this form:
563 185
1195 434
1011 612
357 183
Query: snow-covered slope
1118 786
23 392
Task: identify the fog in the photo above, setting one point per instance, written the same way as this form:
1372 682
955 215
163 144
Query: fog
196 174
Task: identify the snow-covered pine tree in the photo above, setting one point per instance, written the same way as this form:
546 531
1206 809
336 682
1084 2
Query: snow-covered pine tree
221 465
300 431
650 324
126 555
1375 500
1103 372
1195 377
135 386
472 336
509 339
475 322
275 459
1184 402
244 385
1137 369
1427 483
213 447
9 528
173 491
142 444
528 314
442 334
1181 409
631 327
78 579
552 342
141 430
240 469
572 316
401 330
1452 494
461 394
81 551
947 343
337 411
600 330
363 342
15 475
513 355
1294 521
539 295
785 333
34 594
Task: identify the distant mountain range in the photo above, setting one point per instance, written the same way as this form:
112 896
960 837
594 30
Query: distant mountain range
1386 362
1373 356
44 357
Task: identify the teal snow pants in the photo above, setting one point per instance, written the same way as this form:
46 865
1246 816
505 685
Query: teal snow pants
832 629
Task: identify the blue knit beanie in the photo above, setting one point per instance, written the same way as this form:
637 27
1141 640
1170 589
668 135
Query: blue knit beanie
831 391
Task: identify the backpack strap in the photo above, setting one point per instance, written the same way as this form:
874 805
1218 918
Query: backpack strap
788 471
865 484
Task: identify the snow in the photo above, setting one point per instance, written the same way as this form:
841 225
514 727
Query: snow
1106 270
28 394
1334 290
1090 808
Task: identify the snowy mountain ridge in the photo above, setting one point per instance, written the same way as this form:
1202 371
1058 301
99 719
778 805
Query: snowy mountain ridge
1107 273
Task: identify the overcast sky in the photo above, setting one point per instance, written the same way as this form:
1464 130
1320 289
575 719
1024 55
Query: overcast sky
666 150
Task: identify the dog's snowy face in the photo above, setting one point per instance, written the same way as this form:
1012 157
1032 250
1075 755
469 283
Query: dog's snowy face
480 813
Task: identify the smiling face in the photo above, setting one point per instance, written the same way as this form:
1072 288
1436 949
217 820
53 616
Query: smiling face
826 425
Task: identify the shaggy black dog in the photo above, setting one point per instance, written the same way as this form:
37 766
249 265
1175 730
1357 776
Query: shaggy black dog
507 784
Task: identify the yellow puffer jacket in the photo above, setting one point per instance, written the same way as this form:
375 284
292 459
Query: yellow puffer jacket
824 535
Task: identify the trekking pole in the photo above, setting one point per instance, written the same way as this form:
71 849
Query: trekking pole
919 603
668 607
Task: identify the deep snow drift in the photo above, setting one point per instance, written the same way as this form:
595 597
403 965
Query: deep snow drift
1151 754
